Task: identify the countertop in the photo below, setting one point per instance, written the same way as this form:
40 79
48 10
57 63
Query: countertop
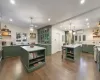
35 48
72 45
97 45
98 49
14 45
43 44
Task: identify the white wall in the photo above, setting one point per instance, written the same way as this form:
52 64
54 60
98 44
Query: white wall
15 29
54 39
89 37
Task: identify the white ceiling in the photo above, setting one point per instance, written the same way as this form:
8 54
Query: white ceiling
41 10
80 21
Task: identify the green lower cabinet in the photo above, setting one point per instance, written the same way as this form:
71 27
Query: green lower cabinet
11 51
88 48
47 46
91 49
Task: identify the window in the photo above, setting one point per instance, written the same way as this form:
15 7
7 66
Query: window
80 38
75 38
84 37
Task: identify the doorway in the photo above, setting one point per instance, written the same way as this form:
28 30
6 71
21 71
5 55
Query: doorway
57 42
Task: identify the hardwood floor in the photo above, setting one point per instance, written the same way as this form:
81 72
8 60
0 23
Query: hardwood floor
55 69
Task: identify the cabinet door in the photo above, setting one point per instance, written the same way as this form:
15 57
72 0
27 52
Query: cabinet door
84 46
91 49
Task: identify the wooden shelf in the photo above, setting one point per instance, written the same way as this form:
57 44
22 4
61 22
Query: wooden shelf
37 57
32 68
96 36
6 35
70 55
36 61
70 59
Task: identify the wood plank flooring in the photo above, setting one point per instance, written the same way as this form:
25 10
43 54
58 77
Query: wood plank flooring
55 69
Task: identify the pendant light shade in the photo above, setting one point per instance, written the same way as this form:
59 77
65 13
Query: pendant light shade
31 24
99 24
70 31
74 33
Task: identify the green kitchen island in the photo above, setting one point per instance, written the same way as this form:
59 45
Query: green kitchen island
72 51
31 57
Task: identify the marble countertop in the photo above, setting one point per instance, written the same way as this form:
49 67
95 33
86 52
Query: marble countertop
72 45
35 48
43 44
98 49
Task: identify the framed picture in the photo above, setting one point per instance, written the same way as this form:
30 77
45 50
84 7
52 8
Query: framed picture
18 37
33 35
24 37
75 37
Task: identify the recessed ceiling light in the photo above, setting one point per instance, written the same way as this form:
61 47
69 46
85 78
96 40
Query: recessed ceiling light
82 1
87 19
31 29
10 20
74 33
87 23
60 26
49 19
35 26
70 31
12 1
88 26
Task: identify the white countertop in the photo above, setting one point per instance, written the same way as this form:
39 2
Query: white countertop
72 45
98 49
97 45
43 44
35 48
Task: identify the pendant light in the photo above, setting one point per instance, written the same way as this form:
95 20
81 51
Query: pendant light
74 31
70 31
31 24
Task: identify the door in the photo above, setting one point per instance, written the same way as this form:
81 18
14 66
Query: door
57 42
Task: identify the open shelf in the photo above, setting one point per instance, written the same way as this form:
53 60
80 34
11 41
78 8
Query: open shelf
70 55
41 56
31 68
36 61
70 59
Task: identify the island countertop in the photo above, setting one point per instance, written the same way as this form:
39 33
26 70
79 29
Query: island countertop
72 45
30 49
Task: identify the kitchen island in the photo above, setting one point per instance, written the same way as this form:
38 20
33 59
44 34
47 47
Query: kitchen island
31 57
72 51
